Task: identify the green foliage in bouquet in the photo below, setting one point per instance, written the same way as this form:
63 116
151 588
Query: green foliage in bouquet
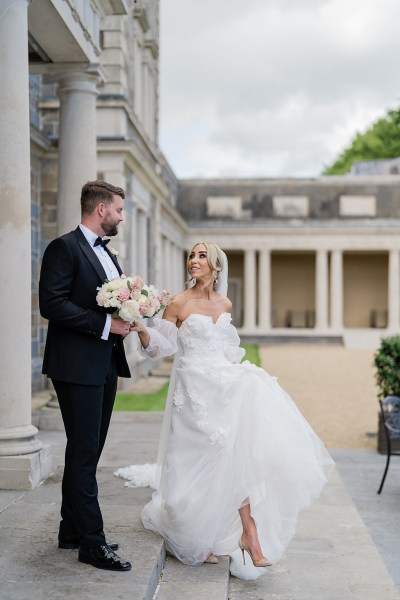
387 363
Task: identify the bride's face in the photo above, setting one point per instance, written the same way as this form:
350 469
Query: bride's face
198 266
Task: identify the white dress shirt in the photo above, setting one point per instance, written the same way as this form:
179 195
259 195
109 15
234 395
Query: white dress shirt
108 266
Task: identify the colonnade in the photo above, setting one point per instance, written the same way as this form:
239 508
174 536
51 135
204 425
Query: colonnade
329 290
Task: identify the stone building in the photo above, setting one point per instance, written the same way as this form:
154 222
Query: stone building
309 259
313 259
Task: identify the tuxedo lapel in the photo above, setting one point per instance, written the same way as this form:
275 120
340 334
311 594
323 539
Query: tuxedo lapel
90 255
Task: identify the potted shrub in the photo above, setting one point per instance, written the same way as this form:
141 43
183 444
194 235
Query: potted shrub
387 363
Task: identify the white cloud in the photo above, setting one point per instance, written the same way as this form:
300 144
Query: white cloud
272 87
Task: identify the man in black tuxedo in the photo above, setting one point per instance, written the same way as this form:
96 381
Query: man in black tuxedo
84 356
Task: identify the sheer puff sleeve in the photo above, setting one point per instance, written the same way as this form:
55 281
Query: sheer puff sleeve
163 340
234 353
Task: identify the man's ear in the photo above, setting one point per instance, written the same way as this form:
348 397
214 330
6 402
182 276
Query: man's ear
101 209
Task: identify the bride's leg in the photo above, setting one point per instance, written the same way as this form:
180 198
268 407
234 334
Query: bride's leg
250 538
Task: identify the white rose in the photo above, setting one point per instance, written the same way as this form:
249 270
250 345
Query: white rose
116 284
102 297
129 311
114 302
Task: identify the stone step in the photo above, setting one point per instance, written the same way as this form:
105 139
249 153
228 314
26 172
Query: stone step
33 566
182 582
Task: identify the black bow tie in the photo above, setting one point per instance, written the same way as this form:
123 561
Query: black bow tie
100 242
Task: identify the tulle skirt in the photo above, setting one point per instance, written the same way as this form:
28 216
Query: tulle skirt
236 437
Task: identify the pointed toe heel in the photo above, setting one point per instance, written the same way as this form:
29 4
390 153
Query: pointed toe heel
261 562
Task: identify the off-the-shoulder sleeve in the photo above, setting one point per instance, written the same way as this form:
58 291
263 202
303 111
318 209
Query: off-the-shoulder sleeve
163 340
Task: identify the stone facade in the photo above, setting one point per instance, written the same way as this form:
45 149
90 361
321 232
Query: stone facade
258 198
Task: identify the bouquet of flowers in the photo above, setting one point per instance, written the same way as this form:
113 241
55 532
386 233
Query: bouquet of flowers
131 298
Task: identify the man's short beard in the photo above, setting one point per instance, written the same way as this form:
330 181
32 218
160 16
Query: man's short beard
109 229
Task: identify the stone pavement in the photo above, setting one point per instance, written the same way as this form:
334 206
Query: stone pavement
346 545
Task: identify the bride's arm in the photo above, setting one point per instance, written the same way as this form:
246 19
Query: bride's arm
161 339
142 332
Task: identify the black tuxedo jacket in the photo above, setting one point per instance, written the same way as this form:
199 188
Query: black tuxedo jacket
75 352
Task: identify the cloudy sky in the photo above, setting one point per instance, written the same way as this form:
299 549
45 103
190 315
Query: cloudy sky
272 87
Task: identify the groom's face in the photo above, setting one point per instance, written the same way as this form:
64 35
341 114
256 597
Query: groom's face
113 216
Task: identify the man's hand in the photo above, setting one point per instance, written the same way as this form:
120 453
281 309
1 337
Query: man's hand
119 326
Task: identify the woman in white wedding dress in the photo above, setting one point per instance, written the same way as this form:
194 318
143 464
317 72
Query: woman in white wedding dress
237 459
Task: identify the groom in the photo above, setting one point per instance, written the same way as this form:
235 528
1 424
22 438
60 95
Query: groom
84 356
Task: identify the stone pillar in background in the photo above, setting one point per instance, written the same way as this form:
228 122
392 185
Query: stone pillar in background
24 462
132 258
337 290
169 270
77 161
157 247
394 291
141 232
264 291
249 319
321 288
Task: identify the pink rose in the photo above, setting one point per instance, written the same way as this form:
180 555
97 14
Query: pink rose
124 295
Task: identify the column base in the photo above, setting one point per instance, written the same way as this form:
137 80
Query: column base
25 472
48 418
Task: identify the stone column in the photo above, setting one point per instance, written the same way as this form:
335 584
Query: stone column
394 290
182 275
23 460
157 246
264 291
176 266
77 143
141 233
249 320
337 290
168 266
321 287
133 267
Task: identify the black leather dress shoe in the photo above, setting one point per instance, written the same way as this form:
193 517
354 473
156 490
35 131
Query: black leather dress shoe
73 543
102 557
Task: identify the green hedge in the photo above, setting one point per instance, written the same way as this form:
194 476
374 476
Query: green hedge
387 363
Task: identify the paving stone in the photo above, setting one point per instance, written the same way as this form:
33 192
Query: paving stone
346 543
205 582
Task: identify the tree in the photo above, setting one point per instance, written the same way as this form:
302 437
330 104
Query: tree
381 140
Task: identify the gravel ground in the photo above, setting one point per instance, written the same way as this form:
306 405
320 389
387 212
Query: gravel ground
334 388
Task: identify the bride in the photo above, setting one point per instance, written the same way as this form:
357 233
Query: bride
237 461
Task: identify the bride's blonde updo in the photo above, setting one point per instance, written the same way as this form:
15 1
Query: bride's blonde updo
215 259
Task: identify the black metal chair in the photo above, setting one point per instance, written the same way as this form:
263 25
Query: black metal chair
390 411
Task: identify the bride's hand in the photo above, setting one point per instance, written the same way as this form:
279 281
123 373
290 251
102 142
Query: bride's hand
141 330
138 327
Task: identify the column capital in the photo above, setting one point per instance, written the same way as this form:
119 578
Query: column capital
57 70
83 81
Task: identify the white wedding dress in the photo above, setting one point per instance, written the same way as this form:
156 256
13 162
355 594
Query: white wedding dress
232 435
